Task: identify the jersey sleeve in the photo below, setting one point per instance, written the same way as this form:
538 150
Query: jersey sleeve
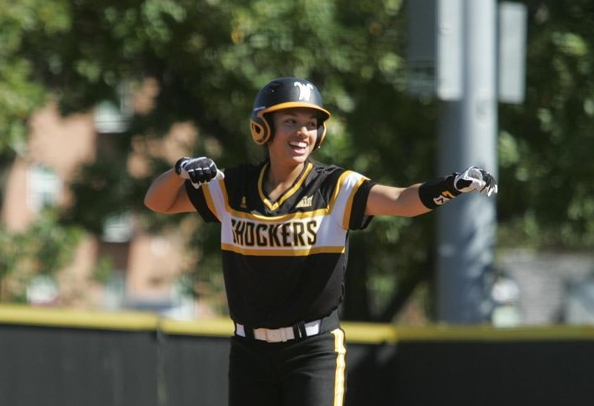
358 219
198 199
349 200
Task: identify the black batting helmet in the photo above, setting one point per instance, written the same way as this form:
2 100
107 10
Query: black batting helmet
283 93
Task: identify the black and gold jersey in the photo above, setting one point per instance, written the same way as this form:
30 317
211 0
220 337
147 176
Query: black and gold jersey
284 261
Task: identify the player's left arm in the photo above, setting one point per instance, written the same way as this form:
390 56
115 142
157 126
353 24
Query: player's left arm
421 198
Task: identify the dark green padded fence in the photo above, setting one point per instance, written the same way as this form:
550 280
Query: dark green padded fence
51 357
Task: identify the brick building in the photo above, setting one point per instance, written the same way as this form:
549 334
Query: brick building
146 268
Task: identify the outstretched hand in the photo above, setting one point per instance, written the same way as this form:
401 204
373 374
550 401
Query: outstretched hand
475 178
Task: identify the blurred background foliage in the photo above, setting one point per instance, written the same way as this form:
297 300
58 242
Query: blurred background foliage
209 58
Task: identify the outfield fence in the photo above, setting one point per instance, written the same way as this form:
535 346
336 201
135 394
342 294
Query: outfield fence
55 357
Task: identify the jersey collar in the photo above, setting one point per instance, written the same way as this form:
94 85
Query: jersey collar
287 193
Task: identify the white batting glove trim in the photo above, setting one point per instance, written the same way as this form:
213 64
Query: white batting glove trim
475 178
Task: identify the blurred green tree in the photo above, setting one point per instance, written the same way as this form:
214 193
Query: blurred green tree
210 58
43 249
47 245
546 143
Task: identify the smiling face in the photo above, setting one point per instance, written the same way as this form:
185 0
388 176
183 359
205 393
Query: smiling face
295 135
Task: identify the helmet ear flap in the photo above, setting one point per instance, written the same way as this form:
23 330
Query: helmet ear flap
321 135
261 130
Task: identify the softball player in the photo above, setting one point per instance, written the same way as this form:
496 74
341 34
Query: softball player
284 233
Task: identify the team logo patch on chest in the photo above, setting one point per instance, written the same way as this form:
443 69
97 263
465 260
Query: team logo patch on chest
305 202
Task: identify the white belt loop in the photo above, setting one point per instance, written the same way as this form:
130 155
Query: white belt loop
312 328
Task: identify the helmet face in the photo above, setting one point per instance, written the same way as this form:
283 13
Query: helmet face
284 93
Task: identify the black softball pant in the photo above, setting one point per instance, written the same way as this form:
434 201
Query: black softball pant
309 371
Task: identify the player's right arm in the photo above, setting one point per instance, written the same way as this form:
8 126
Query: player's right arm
167 194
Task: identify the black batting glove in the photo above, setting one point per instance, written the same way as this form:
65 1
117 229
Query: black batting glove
197 170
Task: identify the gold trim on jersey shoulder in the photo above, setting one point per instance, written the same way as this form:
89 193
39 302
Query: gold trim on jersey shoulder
349 207
288 193
225 199
337 188
282 252
349 204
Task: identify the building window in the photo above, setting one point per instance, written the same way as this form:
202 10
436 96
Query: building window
118 228
43 188
112 118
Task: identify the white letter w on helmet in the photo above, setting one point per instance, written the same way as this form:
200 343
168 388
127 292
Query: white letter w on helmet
304 90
